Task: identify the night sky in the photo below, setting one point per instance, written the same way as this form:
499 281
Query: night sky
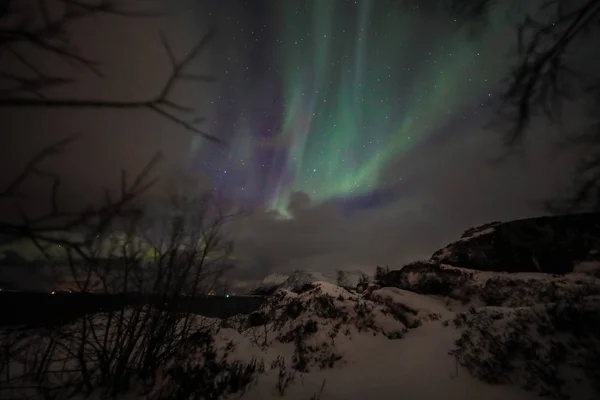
354 128
323 97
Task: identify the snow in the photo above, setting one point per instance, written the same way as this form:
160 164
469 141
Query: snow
299 278
477 233
426 305
383 343
275 279
377 367
417 367
549 348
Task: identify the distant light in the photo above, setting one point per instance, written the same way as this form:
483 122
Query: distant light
53 293
226 295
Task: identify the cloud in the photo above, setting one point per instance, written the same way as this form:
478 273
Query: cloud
298 202
447 187
321 238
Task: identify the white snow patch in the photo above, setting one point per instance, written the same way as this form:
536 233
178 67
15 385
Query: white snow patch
329 322
477 233
416 367
424 305
297 279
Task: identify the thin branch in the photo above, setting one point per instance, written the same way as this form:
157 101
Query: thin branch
544 77
158 104
33 166
42 229
538 72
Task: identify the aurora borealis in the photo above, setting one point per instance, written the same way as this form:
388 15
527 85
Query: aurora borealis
363 120
320 97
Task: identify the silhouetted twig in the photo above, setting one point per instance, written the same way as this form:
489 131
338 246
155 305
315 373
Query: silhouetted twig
50 36
41 228
545 77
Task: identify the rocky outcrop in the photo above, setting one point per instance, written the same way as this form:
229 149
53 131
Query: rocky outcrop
535 330
547 244
430 278
551 349
297 280
482 288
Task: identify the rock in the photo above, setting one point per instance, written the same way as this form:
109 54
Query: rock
547 244
257 318
366 287
429 277
484 288
299 281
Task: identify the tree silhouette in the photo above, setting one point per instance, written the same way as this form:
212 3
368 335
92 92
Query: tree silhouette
34 30
41 29
545 76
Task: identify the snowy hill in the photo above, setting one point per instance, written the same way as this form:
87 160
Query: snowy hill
430 330
484 288
495 336
299 278
479 335
546 244
387 340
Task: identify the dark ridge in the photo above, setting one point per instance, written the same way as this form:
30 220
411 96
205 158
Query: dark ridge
552 244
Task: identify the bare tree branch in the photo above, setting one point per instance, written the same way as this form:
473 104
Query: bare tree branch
43 228
545 76
33 167
50 35
538 81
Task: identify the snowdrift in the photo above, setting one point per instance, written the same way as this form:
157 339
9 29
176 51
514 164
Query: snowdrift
473 334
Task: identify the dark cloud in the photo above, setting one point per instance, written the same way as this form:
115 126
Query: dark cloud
447 188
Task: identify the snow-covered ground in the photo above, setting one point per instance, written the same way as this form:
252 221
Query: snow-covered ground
314 338
296 279
376 364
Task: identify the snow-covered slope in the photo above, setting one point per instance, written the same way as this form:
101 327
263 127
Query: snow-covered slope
552 350
388 342
432 332
485 288
296 280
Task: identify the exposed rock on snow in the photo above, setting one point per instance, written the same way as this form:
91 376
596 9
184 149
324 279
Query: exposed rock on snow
553 350
476 332
295 281
432 278
499 345
482 288
536 330
414 308
389 338
319 320
547 244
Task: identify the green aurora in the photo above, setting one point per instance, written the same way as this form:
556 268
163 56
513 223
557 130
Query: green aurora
342 91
